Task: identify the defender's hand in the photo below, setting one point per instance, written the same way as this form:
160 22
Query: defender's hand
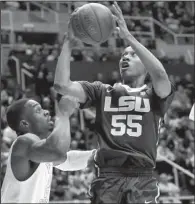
118 16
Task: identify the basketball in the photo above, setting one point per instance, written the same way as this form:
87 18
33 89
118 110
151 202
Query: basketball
92 23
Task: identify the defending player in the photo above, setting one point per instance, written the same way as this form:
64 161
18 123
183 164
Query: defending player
126 120
30 162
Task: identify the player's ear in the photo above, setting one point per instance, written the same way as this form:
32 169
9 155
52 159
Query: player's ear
24 124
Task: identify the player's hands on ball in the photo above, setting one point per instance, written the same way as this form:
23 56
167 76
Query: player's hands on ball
67 105
118 15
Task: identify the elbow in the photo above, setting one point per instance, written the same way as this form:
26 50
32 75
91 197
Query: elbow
61 89
160 74
60 156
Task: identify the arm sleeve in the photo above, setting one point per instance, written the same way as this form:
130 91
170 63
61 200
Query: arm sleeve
76 160
161 105
191 116
93 93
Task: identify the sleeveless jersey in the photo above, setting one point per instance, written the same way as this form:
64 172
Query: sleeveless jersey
35 189
127 121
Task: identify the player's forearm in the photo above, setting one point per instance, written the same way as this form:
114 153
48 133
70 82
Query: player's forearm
151 63
59 139
160 80
76 160
62 73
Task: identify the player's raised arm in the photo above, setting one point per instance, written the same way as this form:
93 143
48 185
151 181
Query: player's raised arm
160 81
62 83
55 146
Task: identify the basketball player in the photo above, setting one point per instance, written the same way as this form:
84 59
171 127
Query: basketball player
127 120
30 162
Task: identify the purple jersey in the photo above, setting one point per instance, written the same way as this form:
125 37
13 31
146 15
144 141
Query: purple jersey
127 121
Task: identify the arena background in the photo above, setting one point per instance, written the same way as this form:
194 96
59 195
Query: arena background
31 38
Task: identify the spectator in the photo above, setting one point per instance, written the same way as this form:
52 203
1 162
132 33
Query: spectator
5 37
74 124
187 24
182 97
53 56
172 23
164 151
46 103
99 77
74 145
87 56
20 45
167 188
45 51
42 85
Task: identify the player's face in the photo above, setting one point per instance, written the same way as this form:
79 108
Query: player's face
130 64
39 119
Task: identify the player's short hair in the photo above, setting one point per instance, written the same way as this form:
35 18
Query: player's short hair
15 112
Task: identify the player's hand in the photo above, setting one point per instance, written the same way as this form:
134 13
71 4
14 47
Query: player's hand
118 16
67 105
70 31
69 36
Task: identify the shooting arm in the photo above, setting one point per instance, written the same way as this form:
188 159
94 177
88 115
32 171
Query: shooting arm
160 80
161 83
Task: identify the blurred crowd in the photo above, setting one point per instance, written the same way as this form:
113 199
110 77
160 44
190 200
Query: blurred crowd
175 15
176 135
178 16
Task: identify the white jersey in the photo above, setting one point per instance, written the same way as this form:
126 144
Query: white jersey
35 189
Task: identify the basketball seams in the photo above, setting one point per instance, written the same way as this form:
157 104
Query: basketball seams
86 31
83 28
104 38
113 23
97 21
75 22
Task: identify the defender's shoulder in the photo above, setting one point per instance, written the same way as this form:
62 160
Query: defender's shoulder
22 144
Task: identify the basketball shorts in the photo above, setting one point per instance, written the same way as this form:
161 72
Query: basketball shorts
114 186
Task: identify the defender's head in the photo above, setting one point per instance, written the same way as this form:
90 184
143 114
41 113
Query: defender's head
131 67
27 116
